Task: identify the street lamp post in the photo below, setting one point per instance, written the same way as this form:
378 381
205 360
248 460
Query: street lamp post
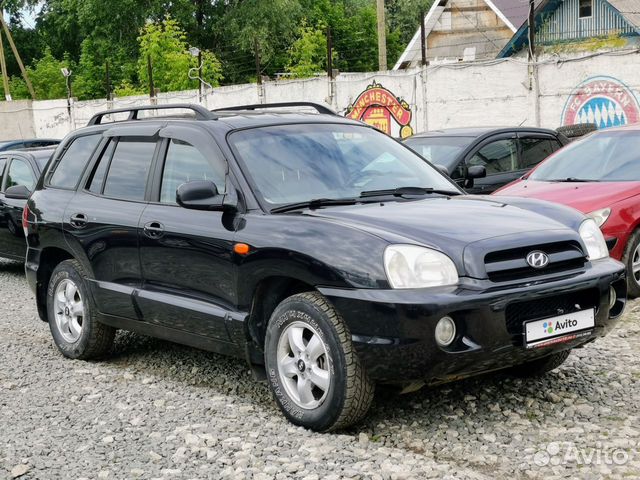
195 73
66 73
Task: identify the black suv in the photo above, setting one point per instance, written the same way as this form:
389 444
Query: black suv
328 255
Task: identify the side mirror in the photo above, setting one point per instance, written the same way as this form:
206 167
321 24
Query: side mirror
18 192
199 195
443 170
477 171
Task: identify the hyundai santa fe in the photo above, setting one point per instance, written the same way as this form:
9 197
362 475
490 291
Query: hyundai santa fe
326 254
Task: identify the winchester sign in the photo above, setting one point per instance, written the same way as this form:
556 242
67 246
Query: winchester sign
381 109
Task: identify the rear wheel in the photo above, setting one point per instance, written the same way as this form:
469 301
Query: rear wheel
72 315
540 366
313 370
631 259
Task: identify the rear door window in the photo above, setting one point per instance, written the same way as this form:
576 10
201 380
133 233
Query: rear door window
66 171
129 169
535 150
20 173
3 163
500 156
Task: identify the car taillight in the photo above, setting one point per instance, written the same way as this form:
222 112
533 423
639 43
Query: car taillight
25 218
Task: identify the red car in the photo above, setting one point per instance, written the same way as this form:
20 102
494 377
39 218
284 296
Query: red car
600 176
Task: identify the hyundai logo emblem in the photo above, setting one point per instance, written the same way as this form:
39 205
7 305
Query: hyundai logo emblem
538 259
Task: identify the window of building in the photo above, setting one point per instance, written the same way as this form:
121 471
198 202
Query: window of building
586 8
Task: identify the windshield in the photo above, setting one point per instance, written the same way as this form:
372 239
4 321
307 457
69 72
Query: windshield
604 156
299 163
440 150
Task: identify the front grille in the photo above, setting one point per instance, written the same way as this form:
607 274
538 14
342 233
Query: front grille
510 265
519 312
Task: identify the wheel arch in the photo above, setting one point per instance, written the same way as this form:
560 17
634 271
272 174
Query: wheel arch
50 258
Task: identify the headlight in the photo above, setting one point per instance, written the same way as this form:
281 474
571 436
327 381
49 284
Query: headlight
600 216
410 266
594 240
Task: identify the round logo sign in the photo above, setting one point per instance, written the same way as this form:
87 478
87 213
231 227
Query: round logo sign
605 101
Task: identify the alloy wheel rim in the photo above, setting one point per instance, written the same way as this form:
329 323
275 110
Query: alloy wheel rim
635 264
68 310
304 365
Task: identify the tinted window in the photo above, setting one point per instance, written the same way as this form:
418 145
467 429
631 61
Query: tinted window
603 156
298 163
184 163
440 150
497 157
129 169
20 174
97 179
535 150
3 163
68 169
42 159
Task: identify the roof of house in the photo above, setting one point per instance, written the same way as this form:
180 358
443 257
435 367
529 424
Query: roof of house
513 13
629 9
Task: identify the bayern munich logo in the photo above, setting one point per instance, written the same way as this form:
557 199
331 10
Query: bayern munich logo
605 101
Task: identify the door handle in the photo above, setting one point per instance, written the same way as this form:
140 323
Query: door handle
78 220
154 229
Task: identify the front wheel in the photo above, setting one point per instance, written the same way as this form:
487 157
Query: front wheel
313 370
632 261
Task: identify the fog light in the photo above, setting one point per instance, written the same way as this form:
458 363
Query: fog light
445 331
613 297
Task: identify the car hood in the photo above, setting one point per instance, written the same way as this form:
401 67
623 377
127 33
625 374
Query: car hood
585 197
454 225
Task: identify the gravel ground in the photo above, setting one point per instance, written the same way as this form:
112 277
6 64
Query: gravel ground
158 410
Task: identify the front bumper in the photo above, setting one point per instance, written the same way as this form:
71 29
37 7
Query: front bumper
393 330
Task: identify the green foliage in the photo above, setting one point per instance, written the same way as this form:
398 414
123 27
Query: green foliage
165 44
46 77
287 35
308 54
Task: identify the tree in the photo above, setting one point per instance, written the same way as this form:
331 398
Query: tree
165 43
308 54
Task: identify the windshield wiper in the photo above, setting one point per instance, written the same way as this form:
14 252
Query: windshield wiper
572 180
315 203
402 191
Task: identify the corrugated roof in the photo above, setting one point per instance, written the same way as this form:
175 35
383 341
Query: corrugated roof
516 11
630 10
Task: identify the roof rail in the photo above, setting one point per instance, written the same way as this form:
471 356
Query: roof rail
201 112
262 106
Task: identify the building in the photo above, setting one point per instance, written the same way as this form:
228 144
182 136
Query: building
577 22
458 30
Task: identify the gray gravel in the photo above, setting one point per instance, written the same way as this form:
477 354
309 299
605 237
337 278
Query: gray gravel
158 410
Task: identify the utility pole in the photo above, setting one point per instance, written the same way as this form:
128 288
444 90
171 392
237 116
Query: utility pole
152 87
5 27
3 68
108 81
532 29
382 36
329 54
423 39
256 52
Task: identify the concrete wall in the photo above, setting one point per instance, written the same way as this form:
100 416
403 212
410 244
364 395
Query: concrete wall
603 88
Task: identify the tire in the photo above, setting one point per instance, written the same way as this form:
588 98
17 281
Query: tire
541 366
336 391
578 130
631 256
72 315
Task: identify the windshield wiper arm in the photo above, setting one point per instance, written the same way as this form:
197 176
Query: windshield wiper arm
402 191
315 203
572 180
